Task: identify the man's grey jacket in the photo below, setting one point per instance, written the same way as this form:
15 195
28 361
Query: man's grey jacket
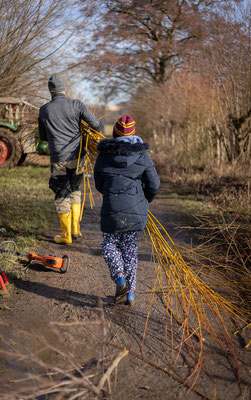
59 125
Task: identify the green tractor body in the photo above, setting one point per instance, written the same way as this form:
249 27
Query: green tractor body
18 132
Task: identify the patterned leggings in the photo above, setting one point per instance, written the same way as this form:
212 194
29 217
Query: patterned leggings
120 251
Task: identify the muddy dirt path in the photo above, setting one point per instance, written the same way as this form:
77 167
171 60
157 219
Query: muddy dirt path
58 323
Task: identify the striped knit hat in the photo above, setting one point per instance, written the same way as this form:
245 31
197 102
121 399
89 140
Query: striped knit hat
125 126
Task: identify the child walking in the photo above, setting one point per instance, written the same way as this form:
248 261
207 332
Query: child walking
126 176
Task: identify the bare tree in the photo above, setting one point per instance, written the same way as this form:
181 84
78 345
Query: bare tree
229 54
31 32
202 115
140 40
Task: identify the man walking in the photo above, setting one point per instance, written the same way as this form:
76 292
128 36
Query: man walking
59 124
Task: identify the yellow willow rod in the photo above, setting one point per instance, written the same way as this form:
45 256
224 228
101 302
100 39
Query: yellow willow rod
228 284
183 329
223 327
204 289
196 368
199 284
84 196
167 299
168 275
86 144
216 298
204 315
92 202
153 243
179 261
187 277
165 293
227 303
213 268
92 132
160 277
90 163
79 154
155 219
177 318
174 282
165 289
184 301
215 312
164 248
247 325
90 193
158 272
30 134
208 325
184 320
158 235
88 184
165 255
192 292
188 337
234 310
148 314
218 281
228 268
171 324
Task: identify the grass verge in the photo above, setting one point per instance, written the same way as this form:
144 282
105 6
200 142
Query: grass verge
222 223
26 211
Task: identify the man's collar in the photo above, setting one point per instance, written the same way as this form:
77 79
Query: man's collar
58 95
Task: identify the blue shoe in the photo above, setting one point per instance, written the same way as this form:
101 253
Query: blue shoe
121 289
130 299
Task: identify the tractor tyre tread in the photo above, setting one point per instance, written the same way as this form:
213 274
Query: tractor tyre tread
14 142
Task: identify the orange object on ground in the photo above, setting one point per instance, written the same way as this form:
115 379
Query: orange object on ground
49 261
2 284
4 277
62 264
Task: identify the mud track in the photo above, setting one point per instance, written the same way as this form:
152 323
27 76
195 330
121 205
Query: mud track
69 321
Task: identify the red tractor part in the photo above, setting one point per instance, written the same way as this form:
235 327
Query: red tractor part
10 149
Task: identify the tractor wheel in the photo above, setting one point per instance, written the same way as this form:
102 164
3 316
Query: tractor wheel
10 149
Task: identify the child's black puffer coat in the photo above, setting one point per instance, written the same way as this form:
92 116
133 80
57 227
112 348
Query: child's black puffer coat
126 176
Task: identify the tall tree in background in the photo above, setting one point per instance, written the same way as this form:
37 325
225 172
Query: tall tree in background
143 41
203 113
31 32
229 55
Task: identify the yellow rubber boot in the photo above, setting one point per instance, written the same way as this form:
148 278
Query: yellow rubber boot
65 223
76 210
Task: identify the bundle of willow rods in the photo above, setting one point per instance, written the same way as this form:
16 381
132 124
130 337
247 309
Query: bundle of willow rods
189 286
90 139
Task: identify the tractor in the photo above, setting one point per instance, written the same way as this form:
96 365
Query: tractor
18 132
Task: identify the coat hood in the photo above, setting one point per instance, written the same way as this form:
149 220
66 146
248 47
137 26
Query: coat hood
122 152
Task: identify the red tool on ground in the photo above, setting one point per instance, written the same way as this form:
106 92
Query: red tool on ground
62 264
3 279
